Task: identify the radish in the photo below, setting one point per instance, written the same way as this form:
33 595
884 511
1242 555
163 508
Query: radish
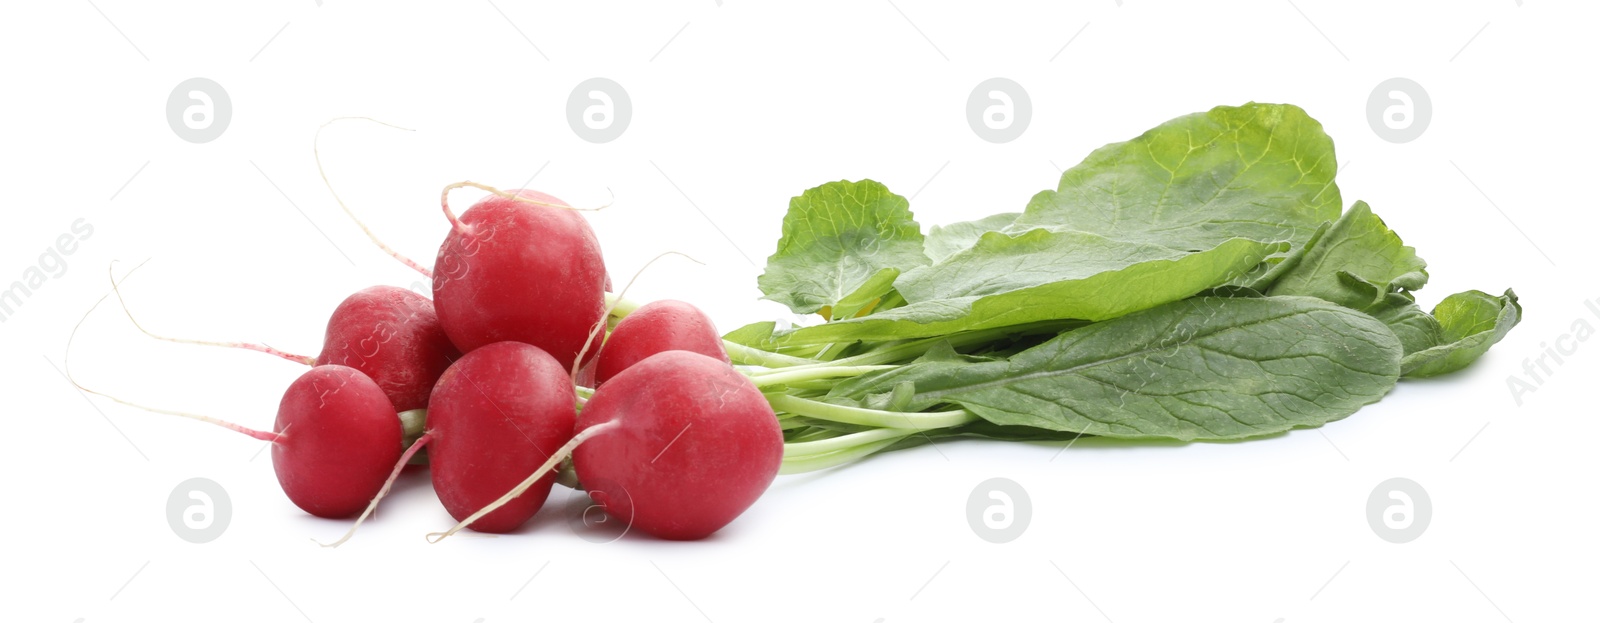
393 335
334 440
337 437
519 266
657 327
495 416
676 446
390 334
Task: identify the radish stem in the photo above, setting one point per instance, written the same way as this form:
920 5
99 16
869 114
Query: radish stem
870 417
843 442
814 462
780 377
746 355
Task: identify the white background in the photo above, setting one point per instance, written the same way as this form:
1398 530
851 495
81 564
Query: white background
738 107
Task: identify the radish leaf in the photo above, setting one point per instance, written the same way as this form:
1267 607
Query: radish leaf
837 238
1356 264
944 241
1469 323
1036 276
1259 171
1206 368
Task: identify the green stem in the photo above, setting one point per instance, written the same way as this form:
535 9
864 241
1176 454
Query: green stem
843 442
822 385
912 349
814 462
620 307
870 417
780 377
412 425
810 434
749 356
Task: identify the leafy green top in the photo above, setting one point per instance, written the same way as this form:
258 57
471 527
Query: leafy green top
837 238
1259 171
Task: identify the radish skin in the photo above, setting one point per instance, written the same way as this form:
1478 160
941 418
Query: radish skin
656 327
526 269
495 416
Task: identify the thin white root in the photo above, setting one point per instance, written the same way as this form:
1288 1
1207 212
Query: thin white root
66 364
577 363
553 462
260 348
387 484
316 152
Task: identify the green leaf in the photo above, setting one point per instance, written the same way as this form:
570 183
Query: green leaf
983 429
865 297
1469 323
1416 329
1268 273
945 240
1357 263
837 238
754 335
1036 276
1259 171
1201 368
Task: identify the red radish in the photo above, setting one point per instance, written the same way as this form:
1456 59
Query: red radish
695 444
657 327
393 335
523 267
335 438
390 334
338 436
676 446
494 417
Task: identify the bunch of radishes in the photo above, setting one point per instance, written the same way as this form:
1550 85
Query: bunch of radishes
671 440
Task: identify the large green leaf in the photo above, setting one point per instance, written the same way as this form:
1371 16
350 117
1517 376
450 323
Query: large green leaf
837 238
1357 263
945 240
1469 323
1202 368
1259 171
1036 276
